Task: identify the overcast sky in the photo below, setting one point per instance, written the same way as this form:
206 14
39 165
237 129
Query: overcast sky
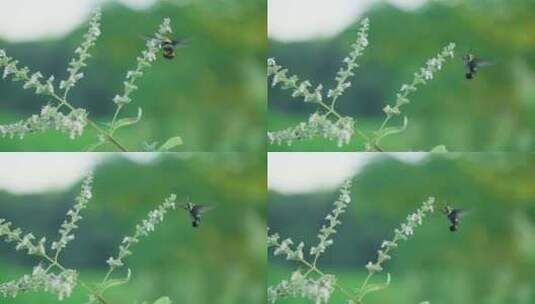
292 20
309 172
22 20
37 172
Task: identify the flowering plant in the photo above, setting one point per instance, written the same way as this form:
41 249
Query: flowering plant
51 276
60 114
310 282
328 123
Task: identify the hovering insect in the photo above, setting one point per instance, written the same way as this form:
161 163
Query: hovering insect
473 63
453 215
168 45
195 212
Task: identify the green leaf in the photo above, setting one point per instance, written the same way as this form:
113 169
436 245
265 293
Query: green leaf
393 130
116 282
170 144
163 300
150 147
374 287
439 149
128 121
396 130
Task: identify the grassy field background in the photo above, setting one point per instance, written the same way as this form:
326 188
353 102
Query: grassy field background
491 112
490 259
221 262
212 94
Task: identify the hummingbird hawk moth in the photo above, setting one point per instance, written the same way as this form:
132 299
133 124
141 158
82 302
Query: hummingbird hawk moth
453 215
168 45
195 212
473 63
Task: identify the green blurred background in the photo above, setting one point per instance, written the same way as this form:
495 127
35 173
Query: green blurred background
221 262
493 112
212 94
490 259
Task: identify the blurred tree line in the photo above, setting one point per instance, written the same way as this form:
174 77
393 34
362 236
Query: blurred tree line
210 264
212 94
488 260
492 112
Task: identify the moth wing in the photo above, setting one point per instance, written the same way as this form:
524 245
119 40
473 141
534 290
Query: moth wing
180 43
203 208
463 212
484 63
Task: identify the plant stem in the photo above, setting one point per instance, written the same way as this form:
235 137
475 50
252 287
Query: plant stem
108 136
359 132
333 103
106 277
119 107
364 284
329 110
360 295
94 146
83 284
383 125
312 268
55 263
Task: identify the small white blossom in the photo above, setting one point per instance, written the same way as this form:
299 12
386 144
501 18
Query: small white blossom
114 263
407 229
279 76
83 53
391 111
351 61
332 218
388 245
425 73
148 55
23 242
272 239
165 27
382 256
73 123
22 74
318 291
73 216
374 267
285 248
147 225
61 284
318 125
415 218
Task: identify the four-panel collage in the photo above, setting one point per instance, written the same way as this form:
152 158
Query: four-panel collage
267 151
